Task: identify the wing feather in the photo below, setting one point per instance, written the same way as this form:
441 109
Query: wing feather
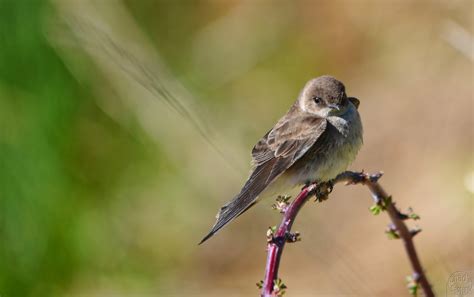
280 148
291 137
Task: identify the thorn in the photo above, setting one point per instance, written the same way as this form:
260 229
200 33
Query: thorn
375 177
415 231
402 216
260 284
293 237
412 215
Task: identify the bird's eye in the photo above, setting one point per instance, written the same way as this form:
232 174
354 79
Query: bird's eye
317 100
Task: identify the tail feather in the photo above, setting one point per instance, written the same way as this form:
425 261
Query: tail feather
257 182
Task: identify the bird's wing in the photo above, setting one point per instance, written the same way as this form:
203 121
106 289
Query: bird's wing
290 139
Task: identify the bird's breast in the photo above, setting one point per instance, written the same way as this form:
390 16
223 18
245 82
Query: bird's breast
333 152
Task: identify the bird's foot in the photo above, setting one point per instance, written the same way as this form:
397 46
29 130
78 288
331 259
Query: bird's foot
323 190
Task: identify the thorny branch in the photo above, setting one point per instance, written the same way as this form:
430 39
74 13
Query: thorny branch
277 237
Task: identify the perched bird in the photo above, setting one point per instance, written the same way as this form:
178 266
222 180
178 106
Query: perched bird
313 142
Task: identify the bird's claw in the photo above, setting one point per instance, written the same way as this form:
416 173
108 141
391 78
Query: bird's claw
330 186
323 191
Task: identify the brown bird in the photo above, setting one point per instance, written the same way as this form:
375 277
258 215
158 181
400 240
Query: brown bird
313 142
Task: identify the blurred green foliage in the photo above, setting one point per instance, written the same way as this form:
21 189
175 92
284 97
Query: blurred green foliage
60 156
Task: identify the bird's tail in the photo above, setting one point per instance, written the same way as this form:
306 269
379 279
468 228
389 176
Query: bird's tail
260 178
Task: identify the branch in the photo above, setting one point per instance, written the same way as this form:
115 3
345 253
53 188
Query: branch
273 286
277 240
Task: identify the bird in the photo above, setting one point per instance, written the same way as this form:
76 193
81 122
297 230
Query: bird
318 138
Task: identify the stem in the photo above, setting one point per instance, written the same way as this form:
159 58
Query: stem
275 246
379 194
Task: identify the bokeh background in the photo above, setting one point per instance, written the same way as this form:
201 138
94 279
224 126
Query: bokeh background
125 125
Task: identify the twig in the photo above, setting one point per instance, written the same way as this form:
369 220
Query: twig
272 285
277 240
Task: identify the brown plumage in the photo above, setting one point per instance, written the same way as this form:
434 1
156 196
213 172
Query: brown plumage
301 137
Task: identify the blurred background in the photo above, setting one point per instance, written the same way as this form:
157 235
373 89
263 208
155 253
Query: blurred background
125 125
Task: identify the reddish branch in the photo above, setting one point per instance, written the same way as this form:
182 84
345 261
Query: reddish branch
272 285
279 238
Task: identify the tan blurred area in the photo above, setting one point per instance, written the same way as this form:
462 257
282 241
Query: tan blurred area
230 70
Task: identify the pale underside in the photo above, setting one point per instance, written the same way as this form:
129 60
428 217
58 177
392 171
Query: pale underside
332 153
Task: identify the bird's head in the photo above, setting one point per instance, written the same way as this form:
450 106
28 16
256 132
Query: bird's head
324 96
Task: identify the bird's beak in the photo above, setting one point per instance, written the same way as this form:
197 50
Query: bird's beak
334 106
